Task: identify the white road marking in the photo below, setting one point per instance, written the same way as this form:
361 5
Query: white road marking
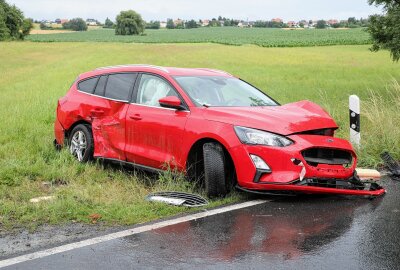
108 237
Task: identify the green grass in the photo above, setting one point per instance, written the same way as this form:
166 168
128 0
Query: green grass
34 75
264 37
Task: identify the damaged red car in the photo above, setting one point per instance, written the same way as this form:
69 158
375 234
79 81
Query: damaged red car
214 127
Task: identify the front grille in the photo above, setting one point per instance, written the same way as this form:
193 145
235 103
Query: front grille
315 156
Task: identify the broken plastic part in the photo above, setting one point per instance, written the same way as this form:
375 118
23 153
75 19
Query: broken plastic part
177 198
391 164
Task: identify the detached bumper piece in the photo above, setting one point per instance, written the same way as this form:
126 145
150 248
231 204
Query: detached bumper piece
352 186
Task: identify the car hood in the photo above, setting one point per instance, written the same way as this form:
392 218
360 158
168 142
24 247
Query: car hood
286 119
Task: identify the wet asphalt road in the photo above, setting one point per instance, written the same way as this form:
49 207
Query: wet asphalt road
291 233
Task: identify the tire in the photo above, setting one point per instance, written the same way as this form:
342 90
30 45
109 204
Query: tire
214 170
80 143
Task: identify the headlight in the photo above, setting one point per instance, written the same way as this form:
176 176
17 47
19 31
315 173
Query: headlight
258 137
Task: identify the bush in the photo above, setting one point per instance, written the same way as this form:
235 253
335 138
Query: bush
129 23
76 24
27 26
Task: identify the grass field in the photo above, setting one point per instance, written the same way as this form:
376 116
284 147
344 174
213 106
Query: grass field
34 75
264 37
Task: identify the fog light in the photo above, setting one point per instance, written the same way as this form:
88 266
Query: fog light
259 162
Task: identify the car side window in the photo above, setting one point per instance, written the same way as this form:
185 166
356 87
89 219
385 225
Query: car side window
152 88
119 86
88 85
101 86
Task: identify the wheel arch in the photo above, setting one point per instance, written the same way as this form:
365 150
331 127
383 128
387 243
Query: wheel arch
194 161
68 131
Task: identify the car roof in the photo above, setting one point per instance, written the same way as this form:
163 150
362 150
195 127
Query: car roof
171 71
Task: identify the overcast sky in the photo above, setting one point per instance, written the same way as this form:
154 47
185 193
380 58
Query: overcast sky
197 9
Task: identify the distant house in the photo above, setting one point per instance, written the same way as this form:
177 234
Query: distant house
293 24
58 21
91 22
205 22
47 23
278 20
64 21
332 22
163 24
245 24
178 21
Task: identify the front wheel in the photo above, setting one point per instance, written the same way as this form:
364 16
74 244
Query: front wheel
214 170
81 143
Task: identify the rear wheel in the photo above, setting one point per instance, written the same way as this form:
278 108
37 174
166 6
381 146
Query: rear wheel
81 143
214 170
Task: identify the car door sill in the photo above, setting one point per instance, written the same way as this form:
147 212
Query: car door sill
131 164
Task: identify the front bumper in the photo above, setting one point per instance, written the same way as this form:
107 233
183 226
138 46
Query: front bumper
289 168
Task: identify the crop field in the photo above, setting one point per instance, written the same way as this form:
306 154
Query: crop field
264 37
33 75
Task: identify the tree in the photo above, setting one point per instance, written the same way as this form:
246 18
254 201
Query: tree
13 25
352 20
170 24
76 24
129 23
214 23
108 23
321 24
4 31
153 25
191 24
384 29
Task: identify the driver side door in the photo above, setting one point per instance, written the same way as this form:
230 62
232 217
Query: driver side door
154 133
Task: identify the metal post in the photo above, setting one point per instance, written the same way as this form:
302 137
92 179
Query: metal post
354 107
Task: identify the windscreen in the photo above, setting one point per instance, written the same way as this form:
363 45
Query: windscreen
222 92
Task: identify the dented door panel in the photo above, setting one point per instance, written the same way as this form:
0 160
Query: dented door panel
154 136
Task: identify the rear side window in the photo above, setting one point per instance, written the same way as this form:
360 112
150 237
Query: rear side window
119 86
101 86
88 85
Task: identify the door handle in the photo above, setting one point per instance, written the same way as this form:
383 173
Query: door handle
135 117
97 112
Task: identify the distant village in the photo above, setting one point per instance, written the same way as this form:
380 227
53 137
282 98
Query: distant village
351 22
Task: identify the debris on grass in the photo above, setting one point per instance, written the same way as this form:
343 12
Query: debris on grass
94 218
40 199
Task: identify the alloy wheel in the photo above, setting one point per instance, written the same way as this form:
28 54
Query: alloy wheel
78 145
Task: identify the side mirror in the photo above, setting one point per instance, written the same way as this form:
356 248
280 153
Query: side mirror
171 102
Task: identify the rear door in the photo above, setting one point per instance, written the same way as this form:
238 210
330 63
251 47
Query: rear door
108 110
153 133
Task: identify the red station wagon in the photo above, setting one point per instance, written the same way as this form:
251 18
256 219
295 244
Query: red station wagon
212 126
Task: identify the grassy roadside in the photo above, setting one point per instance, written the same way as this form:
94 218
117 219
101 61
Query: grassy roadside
34 75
